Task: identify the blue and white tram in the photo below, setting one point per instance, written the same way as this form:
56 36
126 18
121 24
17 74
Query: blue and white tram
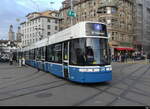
80 53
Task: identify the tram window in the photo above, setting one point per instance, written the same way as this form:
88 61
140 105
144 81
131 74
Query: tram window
50 53
43 53
77 52
35 50
38 54
27 55
58 53
89 52
65 51
31 55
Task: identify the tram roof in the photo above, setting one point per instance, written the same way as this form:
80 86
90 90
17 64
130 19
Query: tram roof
73 32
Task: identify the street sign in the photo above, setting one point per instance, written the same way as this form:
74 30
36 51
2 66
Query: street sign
71 13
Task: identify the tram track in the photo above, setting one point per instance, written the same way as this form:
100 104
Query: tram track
16 81
32 92
32 86
46 85
111 85
130 86
23 82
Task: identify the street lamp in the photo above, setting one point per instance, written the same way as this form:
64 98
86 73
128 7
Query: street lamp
18 47
51 3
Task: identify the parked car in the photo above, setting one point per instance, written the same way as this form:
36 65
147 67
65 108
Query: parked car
4 59
140 57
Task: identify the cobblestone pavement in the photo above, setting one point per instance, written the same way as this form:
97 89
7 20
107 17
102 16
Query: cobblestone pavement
27 86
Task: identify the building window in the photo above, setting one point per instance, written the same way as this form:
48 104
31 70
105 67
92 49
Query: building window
48 20
112 38
56 21
49 33
48 26
39 20
56 28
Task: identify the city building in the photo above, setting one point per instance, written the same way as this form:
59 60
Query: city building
142 26
117 14
38 26
11 34
7 46
18 35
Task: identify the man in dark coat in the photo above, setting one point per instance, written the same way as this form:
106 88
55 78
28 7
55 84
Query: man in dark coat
148 57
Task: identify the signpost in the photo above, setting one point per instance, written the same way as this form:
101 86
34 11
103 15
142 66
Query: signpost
71 13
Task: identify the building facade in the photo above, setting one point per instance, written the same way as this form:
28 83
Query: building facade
11 34
7 46
38 26
117 14
142 39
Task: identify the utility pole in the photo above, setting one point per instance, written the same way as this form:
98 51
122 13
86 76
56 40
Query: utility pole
71 4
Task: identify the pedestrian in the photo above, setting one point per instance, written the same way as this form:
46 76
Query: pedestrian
120 58
23 61
20 62
148 57
11 59
113 58
126 57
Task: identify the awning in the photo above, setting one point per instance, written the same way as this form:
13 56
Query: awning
122 49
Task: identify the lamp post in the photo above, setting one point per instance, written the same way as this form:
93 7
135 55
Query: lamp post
51 3
19 35
71 4
71 13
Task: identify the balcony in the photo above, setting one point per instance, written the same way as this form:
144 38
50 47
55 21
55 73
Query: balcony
113 3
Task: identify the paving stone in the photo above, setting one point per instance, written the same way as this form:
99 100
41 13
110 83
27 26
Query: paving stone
100 100
121 85
137 97
142 87
60 96
115 91
124 102
26 92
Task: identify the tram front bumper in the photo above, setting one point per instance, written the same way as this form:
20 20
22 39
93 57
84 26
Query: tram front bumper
90 77
97 77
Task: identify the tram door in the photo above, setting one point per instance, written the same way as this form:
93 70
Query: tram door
66 59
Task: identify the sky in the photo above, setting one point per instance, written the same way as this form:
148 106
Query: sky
10 10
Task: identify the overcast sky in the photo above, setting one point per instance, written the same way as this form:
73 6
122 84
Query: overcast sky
10 10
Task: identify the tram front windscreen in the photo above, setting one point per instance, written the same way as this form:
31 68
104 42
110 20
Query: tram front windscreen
89 52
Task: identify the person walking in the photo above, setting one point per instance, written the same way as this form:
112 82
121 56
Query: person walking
23 61
148 57
11 58
113 58
126 57
122 57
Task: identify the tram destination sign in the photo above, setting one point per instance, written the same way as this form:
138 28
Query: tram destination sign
95 29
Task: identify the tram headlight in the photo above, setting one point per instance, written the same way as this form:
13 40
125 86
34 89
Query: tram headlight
108 68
